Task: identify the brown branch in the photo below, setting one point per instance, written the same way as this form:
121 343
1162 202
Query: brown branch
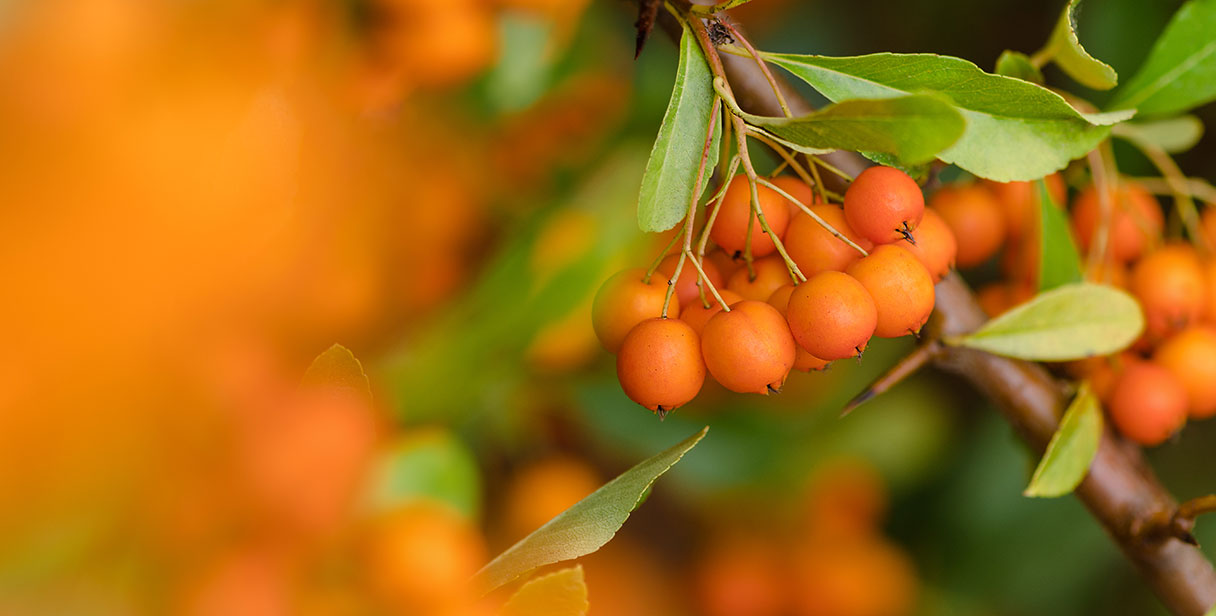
1121 491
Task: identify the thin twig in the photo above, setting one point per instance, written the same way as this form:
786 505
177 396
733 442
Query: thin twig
819 219
905 368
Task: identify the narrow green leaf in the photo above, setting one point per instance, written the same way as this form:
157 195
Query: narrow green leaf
1180 72
587 525
427 465
1070 322
1071 449
1018 65
912 128
338 367
1059 263
1015 130
1069 55
561 593
667 184
1173 134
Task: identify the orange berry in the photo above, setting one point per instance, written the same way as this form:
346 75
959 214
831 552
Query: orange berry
660 365
421 557
803 361
797 189
741 575
815 249
1135 222
1020 202
935 245
730 228
545 488
749 349
686 284
832 316
1108 272
853 577
771 273
1207 223
1191 356
725 264
625 300
975 218
1170 286
883 204
998 297
846 498
901 287
697 315
1148 404
1209 289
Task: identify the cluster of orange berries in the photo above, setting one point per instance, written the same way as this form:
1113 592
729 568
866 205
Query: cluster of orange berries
1170 373
873 277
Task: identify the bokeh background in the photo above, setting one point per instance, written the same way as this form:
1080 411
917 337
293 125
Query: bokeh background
198 198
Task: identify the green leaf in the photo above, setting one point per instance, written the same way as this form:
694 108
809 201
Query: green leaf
1173 134
667 184
1180 73
587 525
1071 449
1059 263
1069 55
1211 612
1070 322
912 128
1015 130
561 593
338 367
430 465
1018 65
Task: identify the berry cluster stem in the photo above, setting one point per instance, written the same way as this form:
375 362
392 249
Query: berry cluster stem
816 217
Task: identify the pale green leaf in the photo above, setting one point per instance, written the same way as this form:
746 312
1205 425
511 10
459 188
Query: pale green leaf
1071 449
1059 263
1180 72
911 128
1069 55
587 525
338 367
426 465
1211 612
1016 130
1018 65
561 593
671 172
1070 322
1173 134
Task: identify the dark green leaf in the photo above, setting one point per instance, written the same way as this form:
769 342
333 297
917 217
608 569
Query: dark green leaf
912 128
1015 130
337 367
1069 55
671 172
1018 65
1059 263
429 465
1071 449
1173 134
1180 73
587 525
1070 322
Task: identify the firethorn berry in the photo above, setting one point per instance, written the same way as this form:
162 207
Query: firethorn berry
1170 286
883 204
697 315
998 297
797 189
935 245
749 349
730 228
660 364
1209 284
815 249
1107 272
832 316
625 300
1020 202
742 574
725 264
901 287
1148 404
1135 222
975 218
803 361
1191 356
686 284
771 273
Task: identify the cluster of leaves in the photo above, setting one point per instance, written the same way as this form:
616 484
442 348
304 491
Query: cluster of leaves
906 110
